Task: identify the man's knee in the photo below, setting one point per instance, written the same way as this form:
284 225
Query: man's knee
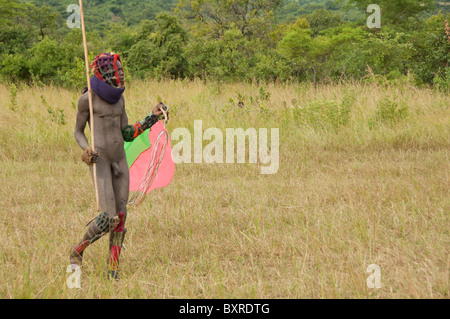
106 223
121 222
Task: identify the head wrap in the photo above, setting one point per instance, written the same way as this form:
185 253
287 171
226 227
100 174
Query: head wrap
105 68
105 82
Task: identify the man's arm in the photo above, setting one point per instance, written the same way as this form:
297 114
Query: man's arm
130 132
82 119
89 157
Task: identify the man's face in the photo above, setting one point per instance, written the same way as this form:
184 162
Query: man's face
121 73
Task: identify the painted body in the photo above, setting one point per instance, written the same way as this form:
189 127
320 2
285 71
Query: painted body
111 129
112 167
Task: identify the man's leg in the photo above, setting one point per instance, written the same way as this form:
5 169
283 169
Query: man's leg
106 221
116 239
117 236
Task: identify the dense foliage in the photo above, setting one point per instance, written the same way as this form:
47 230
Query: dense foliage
265 40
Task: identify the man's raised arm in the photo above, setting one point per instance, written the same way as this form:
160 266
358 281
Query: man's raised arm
130 132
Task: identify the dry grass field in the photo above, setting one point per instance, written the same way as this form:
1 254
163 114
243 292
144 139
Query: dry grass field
363 179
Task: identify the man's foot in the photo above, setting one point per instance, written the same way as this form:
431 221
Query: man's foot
113 275
75 258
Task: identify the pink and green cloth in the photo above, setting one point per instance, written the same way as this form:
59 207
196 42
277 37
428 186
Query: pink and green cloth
140 153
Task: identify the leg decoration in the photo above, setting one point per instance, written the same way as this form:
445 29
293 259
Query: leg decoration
115 247
76 253
103 224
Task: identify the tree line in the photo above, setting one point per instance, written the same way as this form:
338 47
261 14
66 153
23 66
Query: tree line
234 40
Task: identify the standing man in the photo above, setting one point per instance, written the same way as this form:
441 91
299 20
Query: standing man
110 131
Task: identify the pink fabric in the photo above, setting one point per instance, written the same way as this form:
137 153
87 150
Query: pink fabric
167 168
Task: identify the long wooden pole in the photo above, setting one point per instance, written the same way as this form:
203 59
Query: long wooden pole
91 110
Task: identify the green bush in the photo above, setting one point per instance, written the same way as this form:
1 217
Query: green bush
56 114
324 114
13 97
389 112
442 81
14 68
46 58
74 76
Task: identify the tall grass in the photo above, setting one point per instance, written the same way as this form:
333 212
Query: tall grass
363 179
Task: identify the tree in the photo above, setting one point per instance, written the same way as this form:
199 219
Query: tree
159 50
46 58
121 38
321 20
348 57
303 50
396 11
431 51
253 18
10 9
44 18
14 39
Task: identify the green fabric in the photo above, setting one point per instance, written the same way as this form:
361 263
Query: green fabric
135 148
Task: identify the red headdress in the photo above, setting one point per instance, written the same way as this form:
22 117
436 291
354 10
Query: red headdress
105 68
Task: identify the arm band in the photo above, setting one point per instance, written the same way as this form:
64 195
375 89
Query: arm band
130 132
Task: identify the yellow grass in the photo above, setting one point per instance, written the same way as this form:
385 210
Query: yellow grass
342 200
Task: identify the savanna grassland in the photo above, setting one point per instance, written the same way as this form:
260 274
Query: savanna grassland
363 179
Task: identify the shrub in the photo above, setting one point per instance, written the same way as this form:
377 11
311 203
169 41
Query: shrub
389 112
13 97
324 114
